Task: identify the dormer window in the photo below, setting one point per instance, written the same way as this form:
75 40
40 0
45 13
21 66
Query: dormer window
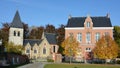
88 24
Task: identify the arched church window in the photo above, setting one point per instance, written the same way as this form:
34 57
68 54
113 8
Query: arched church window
35 51
14 33
28 51
44 50
18 33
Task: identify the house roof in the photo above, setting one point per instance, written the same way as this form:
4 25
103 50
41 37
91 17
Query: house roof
16 23
32 42
97 21
51 38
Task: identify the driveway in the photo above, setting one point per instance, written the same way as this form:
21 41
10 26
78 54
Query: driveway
34 65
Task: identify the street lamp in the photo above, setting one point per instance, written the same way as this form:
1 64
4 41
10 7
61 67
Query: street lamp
0 42
1 45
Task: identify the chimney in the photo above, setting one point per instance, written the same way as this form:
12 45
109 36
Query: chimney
69 17
108 15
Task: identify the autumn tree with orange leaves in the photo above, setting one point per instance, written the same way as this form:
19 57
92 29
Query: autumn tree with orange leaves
106 48
70 46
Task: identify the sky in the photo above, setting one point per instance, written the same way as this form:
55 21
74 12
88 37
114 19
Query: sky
56 12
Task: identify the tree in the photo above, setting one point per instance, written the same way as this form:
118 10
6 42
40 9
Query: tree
116 35
26 30
40 31
4 32
36 33
50 29
61 35
11 48
70 46
106 48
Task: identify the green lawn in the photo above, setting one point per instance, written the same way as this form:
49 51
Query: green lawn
81 66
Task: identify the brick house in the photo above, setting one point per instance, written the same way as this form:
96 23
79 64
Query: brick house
88 30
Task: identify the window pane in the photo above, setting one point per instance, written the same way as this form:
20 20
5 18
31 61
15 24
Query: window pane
88 38
14 33
88 24
35 51
18 33
53 48
88 49
79 37
97 36
44 50
27 51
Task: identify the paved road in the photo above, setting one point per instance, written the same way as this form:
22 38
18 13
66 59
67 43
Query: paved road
34 65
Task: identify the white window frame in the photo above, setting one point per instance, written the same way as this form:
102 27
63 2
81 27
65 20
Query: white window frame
79 37
88 24
88 37
97 36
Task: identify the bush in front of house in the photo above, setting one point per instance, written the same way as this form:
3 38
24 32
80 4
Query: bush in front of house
118 61
50 60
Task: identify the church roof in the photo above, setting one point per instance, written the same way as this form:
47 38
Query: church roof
51 38
32 42
16 23
97 21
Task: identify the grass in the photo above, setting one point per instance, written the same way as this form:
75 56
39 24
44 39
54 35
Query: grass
81 66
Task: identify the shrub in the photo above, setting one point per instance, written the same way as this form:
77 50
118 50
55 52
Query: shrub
50 60
118 61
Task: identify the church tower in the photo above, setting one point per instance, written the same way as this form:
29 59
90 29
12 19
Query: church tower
16 30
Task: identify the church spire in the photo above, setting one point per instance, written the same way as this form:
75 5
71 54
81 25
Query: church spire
17 23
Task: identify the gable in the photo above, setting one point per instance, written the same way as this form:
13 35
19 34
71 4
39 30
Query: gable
51 38
27 46
44 42
32 42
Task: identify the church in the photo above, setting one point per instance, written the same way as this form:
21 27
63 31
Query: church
43 48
